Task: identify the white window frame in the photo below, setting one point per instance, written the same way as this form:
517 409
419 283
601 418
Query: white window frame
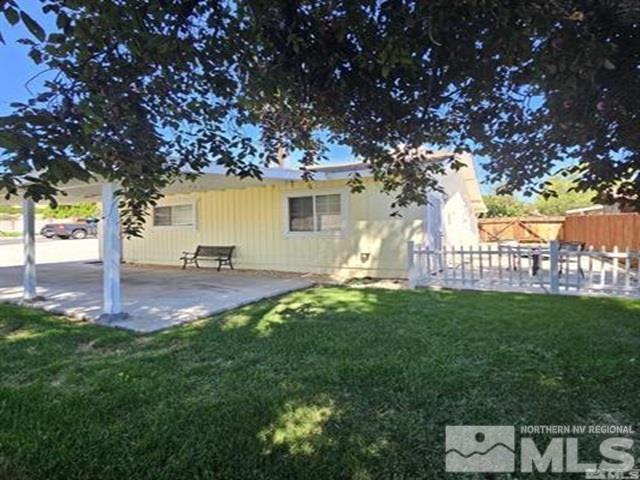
177 203
344 213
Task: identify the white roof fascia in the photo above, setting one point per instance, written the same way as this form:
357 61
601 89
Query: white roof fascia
269 173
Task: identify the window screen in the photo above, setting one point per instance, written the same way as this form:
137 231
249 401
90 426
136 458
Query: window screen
173 216
182 215
328 213
301 214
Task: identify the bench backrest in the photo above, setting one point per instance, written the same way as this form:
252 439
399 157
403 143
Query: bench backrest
214 251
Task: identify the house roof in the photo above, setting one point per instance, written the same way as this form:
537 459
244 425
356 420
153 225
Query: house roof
467 174
215 178
362 166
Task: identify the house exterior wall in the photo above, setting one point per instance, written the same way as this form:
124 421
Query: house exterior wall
254 220
459 220
374 244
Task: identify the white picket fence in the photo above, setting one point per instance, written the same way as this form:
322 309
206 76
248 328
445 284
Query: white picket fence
548 269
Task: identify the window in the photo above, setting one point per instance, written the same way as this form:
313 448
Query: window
328 217
173 216
301 214
315 213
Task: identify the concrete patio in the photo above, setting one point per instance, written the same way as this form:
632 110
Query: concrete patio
154 297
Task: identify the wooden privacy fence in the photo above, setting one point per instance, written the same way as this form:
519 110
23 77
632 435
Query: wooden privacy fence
609 230
551 269
523 229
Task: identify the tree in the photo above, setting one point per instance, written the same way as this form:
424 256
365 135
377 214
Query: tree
146 90
563 198
80 210
504 206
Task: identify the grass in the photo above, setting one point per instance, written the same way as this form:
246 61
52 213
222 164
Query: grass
324 383
9 234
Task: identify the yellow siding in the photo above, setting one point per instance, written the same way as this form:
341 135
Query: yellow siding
253 220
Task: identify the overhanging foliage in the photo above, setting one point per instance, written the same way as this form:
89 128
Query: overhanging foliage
146 90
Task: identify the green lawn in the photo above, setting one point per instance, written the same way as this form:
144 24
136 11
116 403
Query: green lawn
325 383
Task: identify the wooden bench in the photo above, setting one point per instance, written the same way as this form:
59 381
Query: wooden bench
222 255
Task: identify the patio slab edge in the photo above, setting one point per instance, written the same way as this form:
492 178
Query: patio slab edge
128 322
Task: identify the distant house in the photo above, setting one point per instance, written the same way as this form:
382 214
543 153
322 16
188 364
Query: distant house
283 223
595 210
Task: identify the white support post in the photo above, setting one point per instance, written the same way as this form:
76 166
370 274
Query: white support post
603 267
29 242
627 269
614 274
411 268
445 264
554 272
112 308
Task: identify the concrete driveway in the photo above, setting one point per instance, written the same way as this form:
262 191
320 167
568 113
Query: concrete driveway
154 297
49 251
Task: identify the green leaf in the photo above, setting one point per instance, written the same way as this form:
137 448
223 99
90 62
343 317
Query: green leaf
62 21
8 141
51 8
11 15
33 26
36 56
56 38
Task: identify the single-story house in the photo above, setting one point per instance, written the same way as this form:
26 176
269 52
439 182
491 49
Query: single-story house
284 223
279 222
598 209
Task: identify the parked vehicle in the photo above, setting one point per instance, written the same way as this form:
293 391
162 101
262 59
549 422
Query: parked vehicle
83 229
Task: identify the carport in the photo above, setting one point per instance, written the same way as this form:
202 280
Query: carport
112 311
110 245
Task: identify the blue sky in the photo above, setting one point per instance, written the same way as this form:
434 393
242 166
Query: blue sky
15 65
17 69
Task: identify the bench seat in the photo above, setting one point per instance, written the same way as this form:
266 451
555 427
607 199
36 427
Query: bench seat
220 254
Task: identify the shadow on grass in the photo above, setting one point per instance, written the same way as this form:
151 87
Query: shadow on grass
324 383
